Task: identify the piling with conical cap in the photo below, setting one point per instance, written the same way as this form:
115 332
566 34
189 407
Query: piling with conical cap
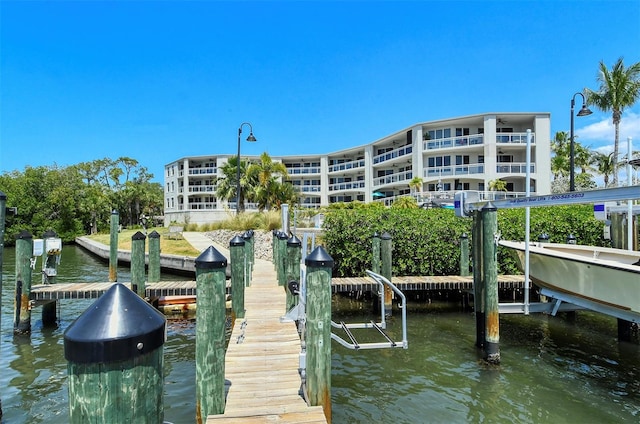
238 270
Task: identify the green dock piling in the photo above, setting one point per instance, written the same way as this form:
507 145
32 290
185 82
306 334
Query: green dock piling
375 253
282 258
22 308
113 246
478 282
490 277
210 333
248 256
238 269
386 257
115 360
137 264
154 257
318 329
292 269
464 255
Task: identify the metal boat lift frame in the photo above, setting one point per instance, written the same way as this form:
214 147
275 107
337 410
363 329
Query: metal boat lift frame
466 203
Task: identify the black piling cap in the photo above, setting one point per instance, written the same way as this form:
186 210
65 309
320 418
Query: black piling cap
246 235
376 235
282 235
211 259
114 212
464 236
24 235
236 241
138 236
543 236
319 258
385 236
154 234
49 234
489 207
294 241
119 326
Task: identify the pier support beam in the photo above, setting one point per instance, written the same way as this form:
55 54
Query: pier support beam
490 277
318 329
292 269
464 255
375 253
154 257
478 283
210 333
137 264
22 309
237 252
386 256
115 360
113 246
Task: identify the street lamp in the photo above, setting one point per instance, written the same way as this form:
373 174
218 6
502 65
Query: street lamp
584 111
251 138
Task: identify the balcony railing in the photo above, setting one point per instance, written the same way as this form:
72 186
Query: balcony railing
309 189
460 141
446 171
392 154
202 189
393 178
350 185
514 138
202 171
199 206
514 168
345 166
304 170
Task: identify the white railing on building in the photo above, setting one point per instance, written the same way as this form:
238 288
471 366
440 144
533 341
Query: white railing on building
309 189
447 171
202 171
393 178
199 206
449 142
392 154
514 168
514 138
348 185
345 166
202 189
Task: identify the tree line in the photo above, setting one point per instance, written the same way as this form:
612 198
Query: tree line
78 199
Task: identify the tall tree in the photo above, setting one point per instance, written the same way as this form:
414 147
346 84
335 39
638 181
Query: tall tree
415 184
267 180
604 165
619 88
227 184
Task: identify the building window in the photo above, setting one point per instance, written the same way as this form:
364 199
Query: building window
462 159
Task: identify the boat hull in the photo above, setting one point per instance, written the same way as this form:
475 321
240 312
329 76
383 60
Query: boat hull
602 275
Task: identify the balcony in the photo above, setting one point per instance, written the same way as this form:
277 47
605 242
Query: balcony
304 170
451 170
393 154
345 166
200 206
514 168
202 188
514 138
393 178
308 189
202 171
349 185
460 141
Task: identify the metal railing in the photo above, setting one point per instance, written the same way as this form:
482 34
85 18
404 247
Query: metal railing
392 154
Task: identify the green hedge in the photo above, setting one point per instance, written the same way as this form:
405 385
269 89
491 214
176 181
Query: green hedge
426 241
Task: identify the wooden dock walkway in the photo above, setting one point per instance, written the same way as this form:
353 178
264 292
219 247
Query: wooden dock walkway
263 384
46 292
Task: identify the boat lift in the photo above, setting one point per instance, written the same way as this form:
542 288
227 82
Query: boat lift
467 202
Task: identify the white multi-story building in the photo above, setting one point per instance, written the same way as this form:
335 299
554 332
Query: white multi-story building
464 153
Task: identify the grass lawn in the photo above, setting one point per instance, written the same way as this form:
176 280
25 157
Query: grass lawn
167 246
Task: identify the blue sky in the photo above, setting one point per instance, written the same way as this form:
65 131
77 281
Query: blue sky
160 80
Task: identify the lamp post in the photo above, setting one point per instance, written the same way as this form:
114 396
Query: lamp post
251 138
584 111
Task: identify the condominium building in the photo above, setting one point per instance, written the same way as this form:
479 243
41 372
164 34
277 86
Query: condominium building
464 153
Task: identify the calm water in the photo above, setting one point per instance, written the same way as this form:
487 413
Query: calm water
553 370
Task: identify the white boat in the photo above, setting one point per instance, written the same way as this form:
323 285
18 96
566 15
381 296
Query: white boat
602 275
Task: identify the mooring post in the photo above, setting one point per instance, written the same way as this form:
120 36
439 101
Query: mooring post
211 268
274 249
318 329
478 283
137 264
375 253
237 252
543 238
115 360
490 277
154 257
386 270
49 273
248 256
292 269
113 246
22 308
464 255
282 258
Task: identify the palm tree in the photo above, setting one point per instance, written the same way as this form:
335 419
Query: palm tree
415 184
265 179
498 185
604 165
226 185
619 88
560 159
